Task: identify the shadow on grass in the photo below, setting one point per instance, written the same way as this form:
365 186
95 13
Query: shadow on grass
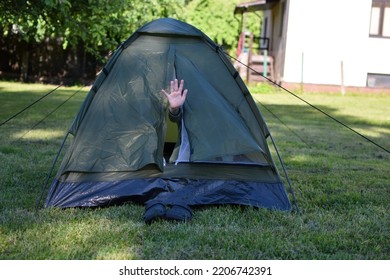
18 101
305 125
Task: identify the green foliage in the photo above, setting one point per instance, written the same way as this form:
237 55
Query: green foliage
97 25
100 25
217 20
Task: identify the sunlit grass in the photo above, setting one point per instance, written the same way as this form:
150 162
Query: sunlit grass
341 182
39 134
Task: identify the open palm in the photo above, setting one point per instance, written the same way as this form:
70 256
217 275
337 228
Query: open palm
177 96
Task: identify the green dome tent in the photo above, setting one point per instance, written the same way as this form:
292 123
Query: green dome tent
121 135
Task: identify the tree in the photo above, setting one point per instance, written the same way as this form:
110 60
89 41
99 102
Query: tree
96 24
216 18
84 27
95 27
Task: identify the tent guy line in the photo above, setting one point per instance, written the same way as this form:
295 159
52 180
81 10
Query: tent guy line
313 106
49 114
282 122
27 107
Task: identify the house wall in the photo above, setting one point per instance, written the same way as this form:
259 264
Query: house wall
322 35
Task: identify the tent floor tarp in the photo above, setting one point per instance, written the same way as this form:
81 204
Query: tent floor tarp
194 187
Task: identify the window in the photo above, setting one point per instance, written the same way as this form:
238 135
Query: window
380 18
378 80
264 38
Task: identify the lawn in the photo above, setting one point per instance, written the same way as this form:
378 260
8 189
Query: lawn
341 182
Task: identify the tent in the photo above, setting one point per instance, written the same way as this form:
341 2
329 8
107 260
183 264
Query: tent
122 138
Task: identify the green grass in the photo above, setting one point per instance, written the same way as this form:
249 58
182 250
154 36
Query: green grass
342 185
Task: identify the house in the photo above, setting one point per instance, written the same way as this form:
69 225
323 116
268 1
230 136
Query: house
324 42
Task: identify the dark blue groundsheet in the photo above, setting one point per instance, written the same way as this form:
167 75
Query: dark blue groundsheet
193 192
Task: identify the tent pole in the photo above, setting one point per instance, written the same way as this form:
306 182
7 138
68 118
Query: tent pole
51 170
285 173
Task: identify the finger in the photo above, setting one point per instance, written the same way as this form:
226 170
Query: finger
185 93
176 85
172 86
181 86
165 93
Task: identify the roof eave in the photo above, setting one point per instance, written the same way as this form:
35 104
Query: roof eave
253 6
